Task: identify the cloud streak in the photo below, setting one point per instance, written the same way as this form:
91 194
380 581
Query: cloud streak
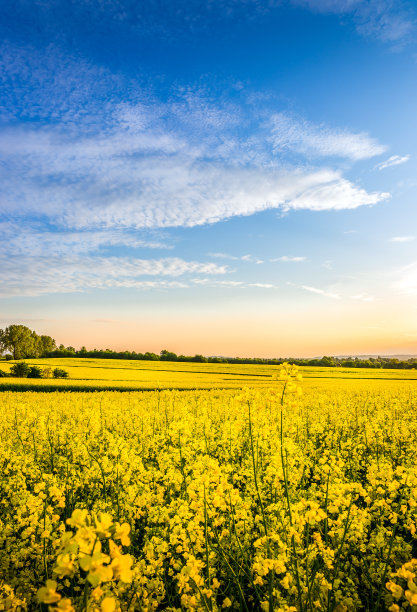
328 294
27 276
394 160
402 238
306 138
288 259
247 258
407 280
390 21
317 291
36 241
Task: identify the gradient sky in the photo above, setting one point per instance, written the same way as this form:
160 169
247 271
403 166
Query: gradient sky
227 177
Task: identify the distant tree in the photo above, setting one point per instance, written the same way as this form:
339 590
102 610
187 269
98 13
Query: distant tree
18 339
35 372
168 356
327 362
151 356
23 342
20 370
199 359
46 344
60 373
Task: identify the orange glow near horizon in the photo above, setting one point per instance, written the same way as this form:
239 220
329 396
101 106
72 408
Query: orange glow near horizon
339 329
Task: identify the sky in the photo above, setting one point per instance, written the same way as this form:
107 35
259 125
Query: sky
228 177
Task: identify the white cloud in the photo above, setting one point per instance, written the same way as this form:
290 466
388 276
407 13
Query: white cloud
97 163
262 285
402 239
248 258
388 20
289 258
115 183
407 280
336 194
316 290
362 297
290 133
216 283
114 157
329 294
37 242
209 282
227 256
394 160
21 276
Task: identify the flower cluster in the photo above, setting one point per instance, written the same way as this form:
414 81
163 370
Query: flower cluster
249 499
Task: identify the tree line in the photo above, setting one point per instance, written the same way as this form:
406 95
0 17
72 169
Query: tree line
22 342
164 355
19 342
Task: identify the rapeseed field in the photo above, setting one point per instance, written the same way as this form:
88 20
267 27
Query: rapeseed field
261 498
95 374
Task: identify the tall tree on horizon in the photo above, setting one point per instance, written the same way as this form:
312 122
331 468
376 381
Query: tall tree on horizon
23 342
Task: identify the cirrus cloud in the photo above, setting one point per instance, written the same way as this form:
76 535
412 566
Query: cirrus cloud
289 132
26 276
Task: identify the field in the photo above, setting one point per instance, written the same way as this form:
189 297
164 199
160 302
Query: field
116 374
246 499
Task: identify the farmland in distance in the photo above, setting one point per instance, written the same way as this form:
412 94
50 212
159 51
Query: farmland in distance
116 374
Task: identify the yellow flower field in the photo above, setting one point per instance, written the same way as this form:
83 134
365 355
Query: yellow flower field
245 499
92 374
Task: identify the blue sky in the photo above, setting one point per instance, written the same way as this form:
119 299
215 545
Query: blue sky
227 177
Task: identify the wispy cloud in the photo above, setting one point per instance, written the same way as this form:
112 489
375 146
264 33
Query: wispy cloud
36 241
336 194
390 21
394 160
406 282
363 297
91 162
137 162
329 294
292 133
288 258
24 276
317 291
262 285
153 182
248 258
402 238
232 284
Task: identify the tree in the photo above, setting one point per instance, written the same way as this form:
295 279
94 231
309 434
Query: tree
35 372
18 339
21 369
46 344
199 359
168 356
60 373
23 342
